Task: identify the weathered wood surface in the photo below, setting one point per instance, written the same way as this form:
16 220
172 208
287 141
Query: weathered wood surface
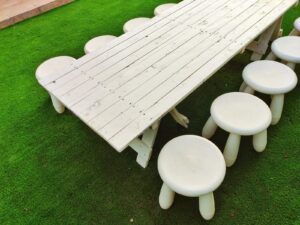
121 90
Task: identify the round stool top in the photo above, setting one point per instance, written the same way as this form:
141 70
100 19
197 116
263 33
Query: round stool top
241 113
53 65
97 43
287 48
161 8
134 23
191 165
297 24
270 77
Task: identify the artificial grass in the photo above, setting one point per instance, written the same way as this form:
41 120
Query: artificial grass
55 170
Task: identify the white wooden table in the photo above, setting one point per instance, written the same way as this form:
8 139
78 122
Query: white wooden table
123 90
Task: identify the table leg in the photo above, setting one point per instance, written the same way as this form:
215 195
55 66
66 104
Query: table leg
278 29
179 118
271 56
260 47
144 146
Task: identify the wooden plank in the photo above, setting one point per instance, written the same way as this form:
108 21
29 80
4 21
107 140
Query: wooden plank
15 11
189 85
96 105
160 84
133 36
120 68
143 34
144 147
168 66
138 72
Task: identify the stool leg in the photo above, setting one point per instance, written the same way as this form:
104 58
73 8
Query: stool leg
231 149
249 90
207 205
277 107
166 197
209 128
271 56
242 87
291 65
58 106
260 141
294 32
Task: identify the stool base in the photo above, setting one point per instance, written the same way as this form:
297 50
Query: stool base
166 197
277 107
206 202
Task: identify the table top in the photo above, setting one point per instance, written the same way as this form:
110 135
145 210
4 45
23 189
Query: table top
121 90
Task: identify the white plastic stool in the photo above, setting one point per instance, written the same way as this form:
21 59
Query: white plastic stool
287 49
273 78
191 166
296 30
161 8
49 67
240 114
134 23
97 43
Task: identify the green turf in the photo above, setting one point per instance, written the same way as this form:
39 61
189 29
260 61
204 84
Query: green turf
55 170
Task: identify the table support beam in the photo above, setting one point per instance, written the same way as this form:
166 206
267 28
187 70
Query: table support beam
278 32
260 46
144 146
179 118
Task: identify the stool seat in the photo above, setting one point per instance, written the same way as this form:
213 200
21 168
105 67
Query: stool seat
161 8
287 48
97 43
134 23
53 65
297 24
50 67
191 165
270 77
241 113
